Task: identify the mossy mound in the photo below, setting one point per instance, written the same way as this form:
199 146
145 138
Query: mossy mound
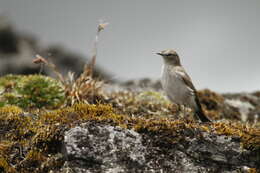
33 91
30 139
39 135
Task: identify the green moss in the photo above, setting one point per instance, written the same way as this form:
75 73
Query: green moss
31 91
153 97
142 104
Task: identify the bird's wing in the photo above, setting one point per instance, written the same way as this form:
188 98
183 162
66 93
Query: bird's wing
185 78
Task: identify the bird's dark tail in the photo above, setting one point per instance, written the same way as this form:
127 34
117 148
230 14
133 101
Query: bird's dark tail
199 112
202 116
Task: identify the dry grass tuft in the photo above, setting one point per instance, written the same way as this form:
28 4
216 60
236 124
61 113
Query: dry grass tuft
85 88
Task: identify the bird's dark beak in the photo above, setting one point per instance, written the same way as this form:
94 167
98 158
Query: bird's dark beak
159 54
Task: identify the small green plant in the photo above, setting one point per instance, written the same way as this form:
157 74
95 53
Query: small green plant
31 91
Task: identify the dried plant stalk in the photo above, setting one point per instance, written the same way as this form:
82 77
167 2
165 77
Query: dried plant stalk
90 67
85 88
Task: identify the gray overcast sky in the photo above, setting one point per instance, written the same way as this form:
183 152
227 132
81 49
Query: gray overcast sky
218 41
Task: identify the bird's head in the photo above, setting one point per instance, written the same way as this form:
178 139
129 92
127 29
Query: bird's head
170 56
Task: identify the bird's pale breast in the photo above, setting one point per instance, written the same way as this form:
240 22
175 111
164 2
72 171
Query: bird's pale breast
175 88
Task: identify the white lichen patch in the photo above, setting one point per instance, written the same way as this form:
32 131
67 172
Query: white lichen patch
243 107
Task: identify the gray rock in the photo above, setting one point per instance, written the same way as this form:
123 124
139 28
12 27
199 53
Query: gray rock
93 147
103 148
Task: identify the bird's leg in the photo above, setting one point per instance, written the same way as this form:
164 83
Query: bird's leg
177 110
182 111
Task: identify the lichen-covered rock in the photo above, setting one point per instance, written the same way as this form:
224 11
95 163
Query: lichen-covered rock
94 138
221 152
93 147
248 105
103 148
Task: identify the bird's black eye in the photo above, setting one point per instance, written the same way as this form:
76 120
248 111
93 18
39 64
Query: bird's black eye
168 54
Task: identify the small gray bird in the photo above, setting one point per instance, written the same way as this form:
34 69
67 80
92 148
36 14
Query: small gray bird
178 85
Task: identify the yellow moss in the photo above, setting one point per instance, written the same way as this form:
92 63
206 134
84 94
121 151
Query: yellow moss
49 126
16 124
10 111
3 164
4 146
250 137
46 130
105 113
5 167
76 112
36 156
253 170
211 103
210 98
